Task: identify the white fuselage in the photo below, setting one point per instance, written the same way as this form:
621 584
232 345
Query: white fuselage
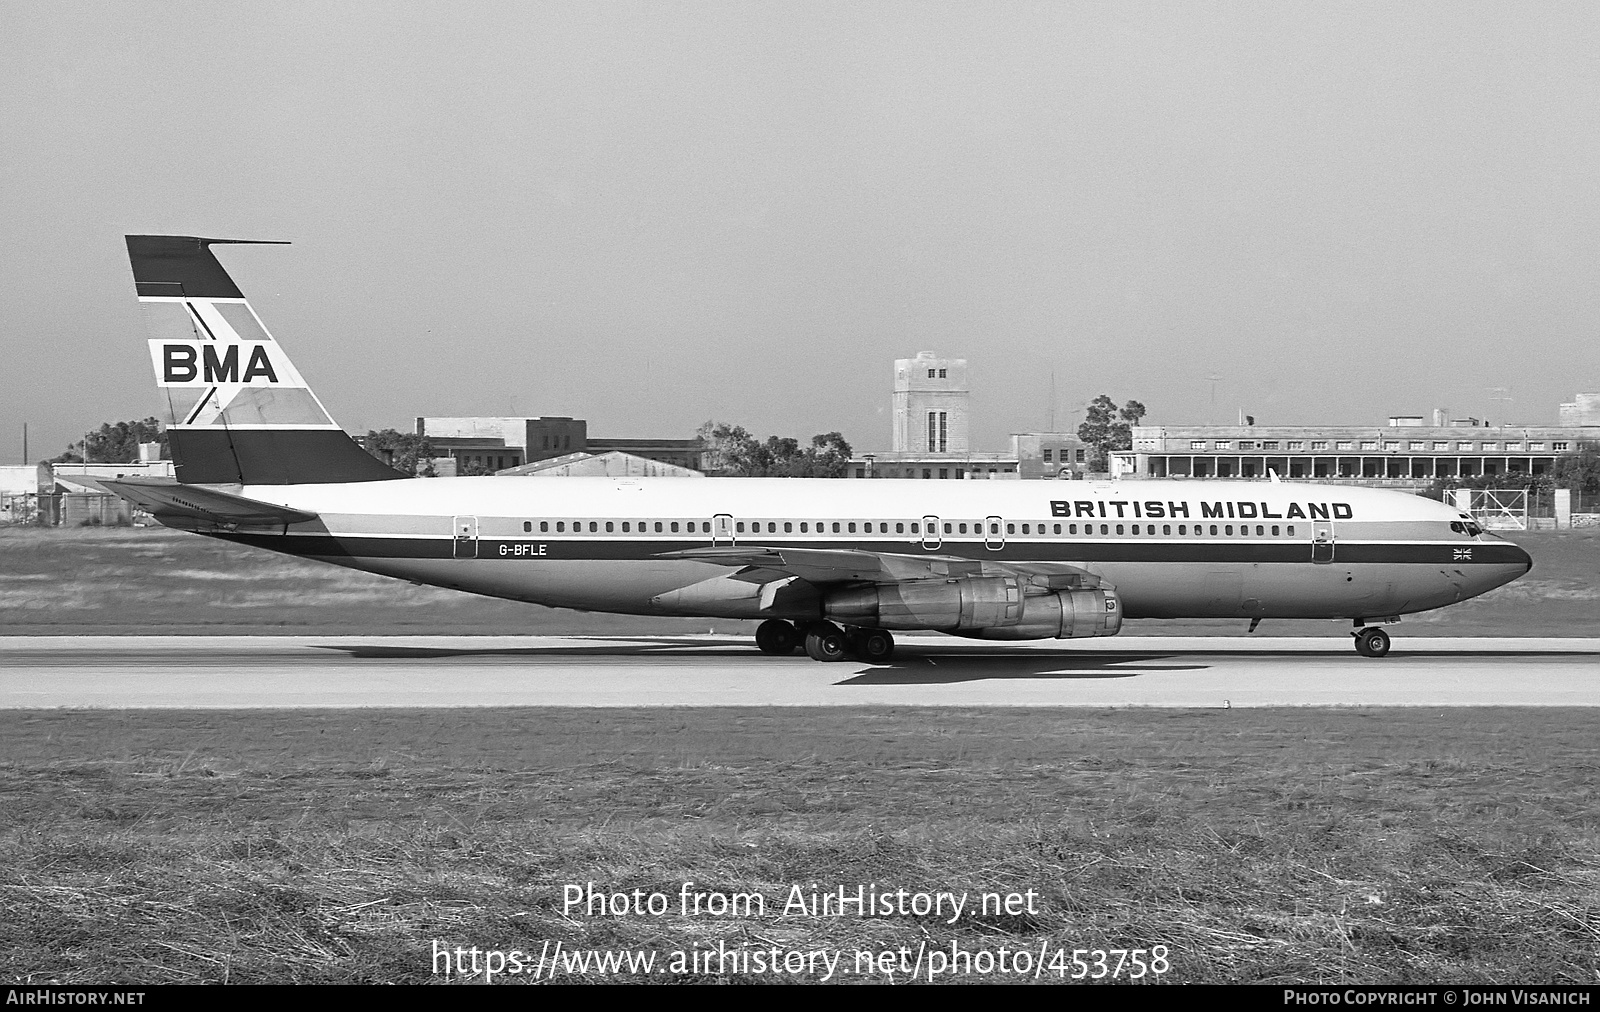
1171 548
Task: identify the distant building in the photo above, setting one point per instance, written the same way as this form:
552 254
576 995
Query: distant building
1406 453
931 437
19 493
1583 410
501 443
931 405
1050 454
613 464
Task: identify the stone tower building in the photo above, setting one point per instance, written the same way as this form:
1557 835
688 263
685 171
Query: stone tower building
931 405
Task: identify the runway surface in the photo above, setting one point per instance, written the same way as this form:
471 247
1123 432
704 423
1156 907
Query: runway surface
436 671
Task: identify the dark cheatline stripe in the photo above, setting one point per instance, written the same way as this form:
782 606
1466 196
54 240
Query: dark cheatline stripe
272 457
599 549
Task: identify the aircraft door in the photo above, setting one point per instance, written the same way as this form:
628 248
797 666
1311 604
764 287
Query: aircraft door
994 533
1321 541
931 539
722 530
466 537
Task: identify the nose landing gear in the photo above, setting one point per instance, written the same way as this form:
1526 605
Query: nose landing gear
1371 641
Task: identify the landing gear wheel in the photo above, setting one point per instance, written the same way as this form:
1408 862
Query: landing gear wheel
875 646
825 642
1372 642
778 637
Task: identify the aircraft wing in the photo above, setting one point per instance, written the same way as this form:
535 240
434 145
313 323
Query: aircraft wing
188 505
825 565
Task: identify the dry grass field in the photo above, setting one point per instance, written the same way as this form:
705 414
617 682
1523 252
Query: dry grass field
1259 846
152 580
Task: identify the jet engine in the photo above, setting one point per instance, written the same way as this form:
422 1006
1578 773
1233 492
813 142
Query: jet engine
991 608
950 605
1062 614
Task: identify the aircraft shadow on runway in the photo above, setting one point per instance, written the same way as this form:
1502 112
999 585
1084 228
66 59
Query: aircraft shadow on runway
931 670
609 647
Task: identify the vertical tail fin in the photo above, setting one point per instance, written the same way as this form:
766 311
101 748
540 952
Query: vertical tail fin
238 412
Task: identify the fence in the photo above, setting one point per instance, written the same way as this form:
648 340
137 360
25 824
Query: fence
1529 508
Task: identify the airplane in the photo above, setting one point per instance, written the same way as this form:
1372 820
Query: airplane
836 567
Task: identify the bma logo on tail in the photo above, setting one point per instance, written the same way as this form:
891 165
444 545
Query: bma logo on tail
208 363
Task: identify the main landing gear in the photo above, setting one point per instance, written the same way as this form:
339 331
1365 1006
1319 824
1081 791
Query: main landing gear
825 641
776 637
1371 641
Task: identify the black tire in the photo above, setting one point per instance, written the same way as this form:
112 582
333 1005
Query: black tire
1372 643
875 646
825 642
777 637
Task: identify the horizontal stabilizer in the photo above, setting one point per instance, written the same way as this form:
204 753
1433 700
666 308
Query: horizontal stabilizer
167 500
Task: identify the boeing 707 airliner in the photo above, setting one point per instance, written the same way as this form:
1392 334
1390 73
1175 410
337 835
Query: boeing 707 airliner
835 567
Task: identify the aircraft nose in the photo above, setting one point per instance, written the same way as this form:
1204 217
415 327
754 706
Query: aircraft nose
1525 559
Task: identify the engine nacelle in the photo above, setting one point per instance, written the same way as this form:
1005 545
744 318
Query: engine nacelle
967 604
1065 614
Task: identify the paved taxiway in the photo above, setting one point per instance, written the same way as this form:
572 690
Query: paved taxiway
433 671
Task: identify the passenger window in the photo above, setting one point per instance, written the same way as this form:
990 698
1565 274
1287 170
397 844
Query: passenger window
947 529
527 526
1261 531
962 528
1024 528
899 528
788 528
627 528
916 528
852 527
836 527
739 527
805 528
658 527
1166 529
544 525
561 526
609 528
1274 530
1214 530
1230 530
1105 529
594 527
1074 529
1119 529
1291 530
1071 528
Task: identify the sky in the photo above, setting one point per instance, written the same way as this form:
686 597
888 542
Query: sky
650 215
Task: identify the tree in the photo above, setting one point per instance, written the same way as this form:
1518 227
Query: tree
406 452
1107 427
732 450
115 443
729 449
1580 470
